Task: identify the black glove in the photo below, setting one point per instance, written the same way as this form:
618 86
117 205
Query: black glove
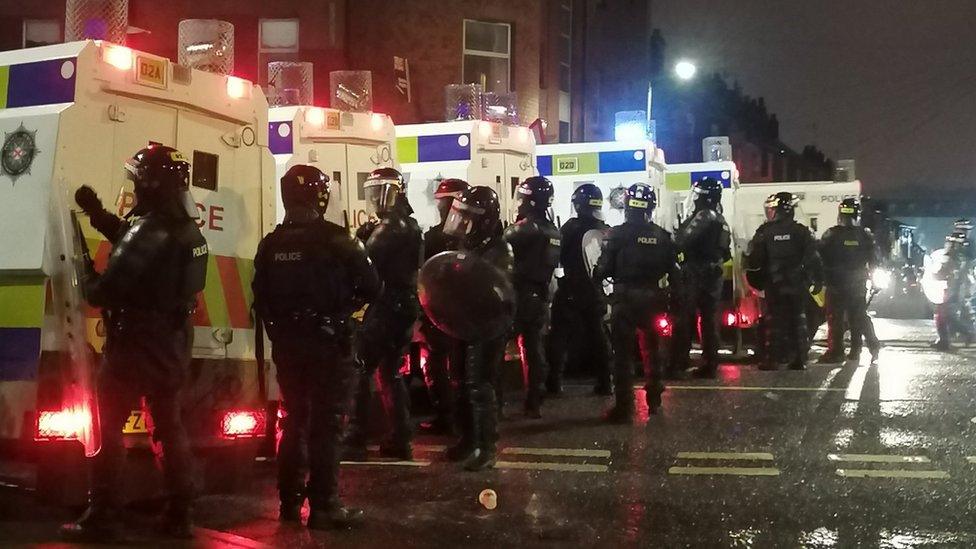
88 201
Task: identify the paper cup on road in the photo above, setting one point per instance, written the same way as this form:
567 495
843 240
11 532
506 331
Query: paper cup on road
488 499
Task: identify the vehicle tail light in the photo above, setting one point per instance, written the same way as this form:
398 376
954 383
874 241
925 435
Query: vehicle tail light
745 320
663 325
242 424
119 57
730 318
61 424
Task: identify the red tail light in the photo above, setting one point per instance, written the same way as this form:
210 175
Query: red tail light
746 321
730 318
60 424
242 424
663 325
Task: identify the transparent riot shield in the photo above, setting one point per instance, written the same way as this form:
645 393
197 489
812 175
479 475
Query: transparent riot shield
69 256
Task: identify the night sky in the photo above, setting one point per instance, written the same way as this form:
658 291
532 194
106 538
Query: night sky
889 83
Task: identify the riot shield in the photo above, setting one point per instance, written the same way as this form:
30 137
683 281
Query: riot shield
69 259
466 297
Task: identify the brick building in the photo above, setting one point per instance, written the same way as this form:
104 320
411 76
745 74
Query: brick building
525 46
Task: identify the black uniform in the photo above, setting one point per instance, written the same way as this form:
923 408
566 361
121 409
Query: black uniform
535 245
308 279
443 351
394 243
637 256
784 253
477 402
704 243
578 309
954 315
148 291
849 255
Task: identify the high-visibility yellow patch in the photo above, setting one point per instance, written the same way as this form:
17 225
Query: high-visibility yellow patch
634 203
596 202
177 156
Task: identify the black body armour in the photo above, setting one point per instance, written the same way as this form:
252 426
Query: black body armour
436 241
785 251
158 265
308 270
395 246
535 243
637 254
847 254
705 239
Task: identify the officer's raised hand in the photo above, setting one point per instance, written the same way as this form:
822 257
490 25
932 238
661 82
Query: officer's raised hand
88 200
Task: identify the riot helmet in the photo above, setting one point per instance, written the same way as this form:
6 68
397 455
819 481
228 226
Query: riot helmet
781 205
161 179
849 212
640 204
963 225
707 193
384 188
955 242
587 201
533 196
304 193
447 190
474 216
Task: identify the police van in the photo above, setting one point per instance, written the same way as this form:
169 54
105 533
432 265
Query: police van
347 146
71 114
481 152
613 167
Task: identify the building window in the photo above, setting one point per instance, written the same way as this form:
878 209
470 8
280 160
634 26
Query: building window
278 36
41 32
564 136
487 55
565 44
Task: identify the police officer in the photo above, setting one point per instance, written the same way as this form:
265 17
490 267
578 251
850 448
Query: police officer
443 351
475 221
395 245
785 255
147 292
535 243
703 242
579 305
641 259
310 275
953 315
849 255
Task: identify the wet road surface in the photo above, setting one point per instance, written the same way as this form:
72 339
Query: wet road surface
847 455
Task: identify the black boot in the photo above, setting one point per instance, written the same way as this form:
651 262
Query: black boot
479 460
98 524
290 508
460 451
652 394
706 371
401 450
620 414
177 519
831 357
854 354
335 517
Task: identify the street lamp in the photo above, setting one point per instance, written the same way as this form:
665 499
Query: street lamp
685 70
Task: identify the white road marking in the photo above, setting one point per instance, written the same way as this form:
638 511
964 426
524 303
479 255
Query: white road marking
546 466
735 471
761 456
889 473
562 452
416 447
749 388
876 458
401 463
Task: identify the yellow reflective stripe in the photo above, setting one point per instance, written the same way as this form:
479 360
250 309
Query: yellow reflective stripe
22 302
634 203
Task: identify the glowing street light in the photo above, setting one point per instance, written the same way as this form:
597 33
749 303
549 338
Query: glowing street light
685 70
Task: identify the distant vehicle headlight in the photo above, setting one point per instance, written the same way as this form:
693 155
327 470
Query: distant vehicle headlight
881 278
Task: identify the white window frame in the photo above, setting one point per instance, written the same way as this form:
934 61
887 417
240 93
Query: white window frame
298 43
481 53
23 33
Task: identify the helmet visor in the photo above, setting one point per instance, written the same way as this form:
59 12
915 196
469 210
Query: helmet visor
461 219
380 195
